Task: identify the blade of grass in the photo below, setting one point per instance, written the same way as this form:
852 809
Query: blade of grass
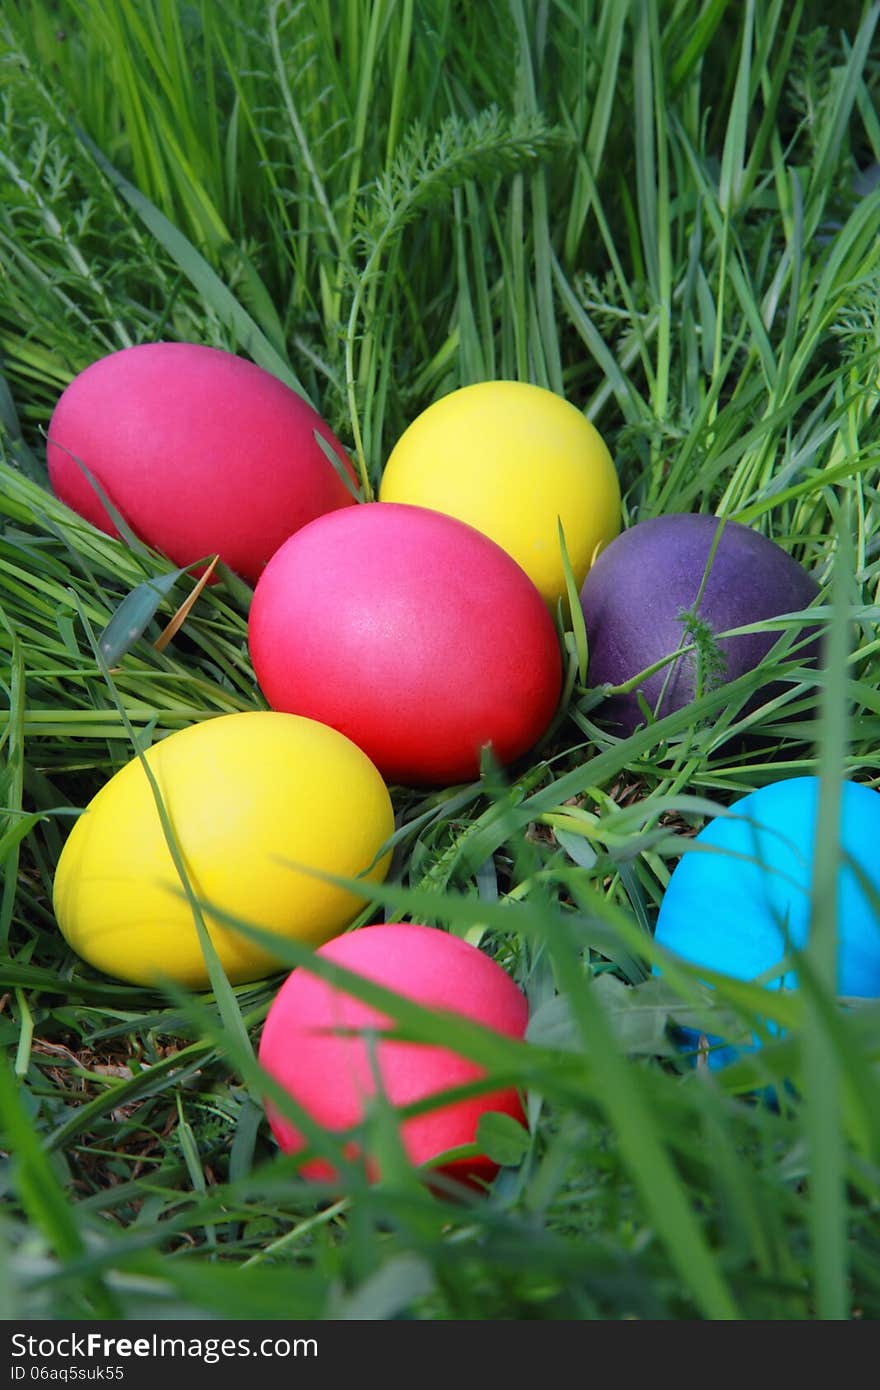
196 269
12 766
823 1130
221 988
41 1193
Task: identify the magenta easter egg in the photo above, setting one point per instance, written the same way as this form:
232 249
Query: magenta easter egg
319 1043
413 634
636 595
200 451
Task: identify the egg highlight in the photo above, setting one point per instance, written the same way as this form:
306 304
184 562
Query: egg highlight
638 592
738 900
320 1043
513 460
413 634
200 451
255 802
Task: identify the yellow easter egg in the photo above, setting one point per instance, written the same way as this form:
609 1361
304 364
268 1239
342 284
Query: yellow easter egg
247 796
513 460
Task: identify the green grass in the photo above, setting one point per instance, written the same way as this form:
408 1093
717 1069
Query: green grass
658 210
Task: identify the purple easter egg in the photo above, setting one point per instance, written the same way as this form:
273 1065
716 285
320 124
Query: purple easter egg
639 586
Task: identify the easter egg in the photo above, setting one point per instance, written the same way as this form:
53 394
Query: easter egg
635 597
319 1042
255 800
200 451
413 634
736 900
513 460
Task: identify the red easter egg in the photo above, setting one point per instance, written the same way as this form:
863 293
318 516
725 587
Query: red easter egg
199 450
312 1044
413 634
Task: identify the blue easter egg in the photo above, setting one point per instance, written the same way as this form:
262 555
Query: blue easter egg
738 901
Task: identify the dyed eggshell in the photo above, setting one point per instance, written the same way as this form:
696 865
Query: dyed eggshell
513 460
413 634
249 797
637 587
200 451
752 871
331 1074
